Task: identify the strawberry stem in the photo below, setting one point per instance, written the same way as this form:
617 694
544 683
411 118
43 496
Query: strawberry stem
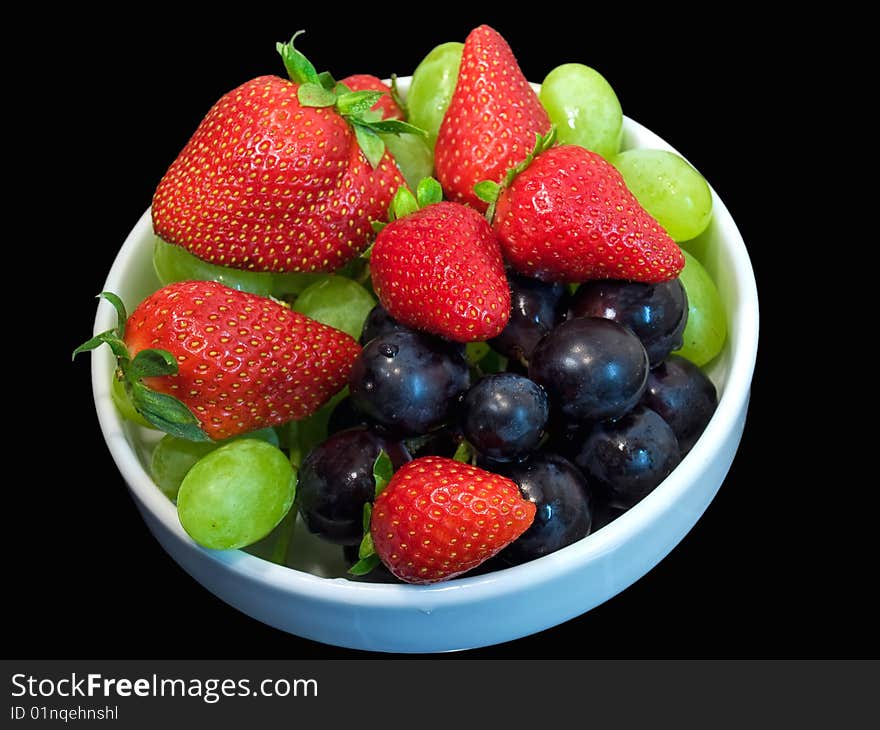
299 68
489 191
320 90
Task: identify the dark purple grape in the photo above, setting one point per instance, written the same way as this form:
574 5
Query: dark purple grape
408 382
344 415
563 501
591 368
657 313
379 322
626 459
683 396
336 480
442 442
536 308
503 416
604 514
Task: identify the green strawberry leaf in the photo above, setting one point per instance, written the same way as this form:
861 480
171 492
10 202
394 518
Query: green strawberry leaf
325 78
366 549
166 413
151 363
371 144
370 116
428 192
383 470
402 204
362 567
365 522
121 316
356 103
463 453
487 191
542 143
484 190
110 338
299 68
315 95
395 126
476 351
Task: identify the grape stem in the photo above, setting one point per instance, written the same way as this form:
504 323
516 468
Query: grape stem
286 529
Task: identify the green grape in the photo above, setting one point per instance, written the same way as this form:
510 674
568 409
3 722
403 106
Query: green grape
174 263
123 404
338 302
706 327
584 108
236 494
669 189
413 155
433 84
173 457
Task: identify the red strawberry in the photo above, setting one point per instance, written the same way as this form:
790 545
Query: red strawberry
386 104
569 217
274 180
492 119
440 270
237 362
438 518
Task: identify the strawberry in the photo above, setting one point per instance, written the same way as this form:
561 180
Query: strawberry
439 269
201 360
438 518
492 119
281 175
569 217
387 104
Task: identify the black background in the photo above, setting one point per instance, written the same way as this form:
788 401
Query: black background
763 573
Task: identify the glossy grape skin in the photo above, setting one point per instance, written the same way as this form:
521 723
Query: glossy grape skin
379 322
563 500
657 313
592 369
684 397
408 382
236 494
625 460
337 302
173 457
503 416
536 308
174 263
336 480
413 155
669 189
432 86
706 329
584 108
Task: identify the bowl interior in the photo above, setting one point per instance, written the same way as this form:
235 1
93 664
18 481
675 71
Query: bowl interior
719 248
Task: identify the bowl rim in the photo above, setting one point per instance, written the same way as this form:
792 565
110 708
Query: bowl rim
743 341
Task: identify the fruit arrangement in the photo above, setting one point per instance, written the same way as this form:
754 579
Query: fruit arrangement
454 331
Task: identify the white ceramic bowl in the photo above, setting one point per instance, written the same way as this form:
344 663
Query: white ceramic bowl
312 600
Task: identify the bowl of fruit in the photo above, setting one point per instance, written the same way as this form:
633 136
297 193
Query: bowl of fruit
429 364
